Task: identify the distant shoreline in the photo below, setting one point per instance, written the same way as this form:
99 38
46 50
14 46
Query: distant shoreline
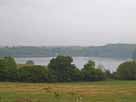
117 51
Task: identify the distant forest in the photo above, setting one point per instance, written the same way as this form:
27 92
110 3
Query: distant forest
110 50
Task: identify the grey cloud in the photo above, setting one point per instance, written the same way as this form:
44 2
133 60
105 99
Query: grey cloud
67 22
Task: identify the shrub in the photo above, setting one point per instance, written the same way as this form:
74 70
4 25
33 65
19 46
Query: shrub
30 62
8 70
90 73
33 74
127 71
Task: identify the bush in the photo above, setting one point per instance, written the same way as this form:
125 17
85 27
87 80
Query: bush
8 70
76 75
33 74
90 73
109 74
127 71
30 62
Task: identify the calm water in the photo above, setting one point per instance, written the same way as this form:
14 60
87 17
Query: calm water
108 63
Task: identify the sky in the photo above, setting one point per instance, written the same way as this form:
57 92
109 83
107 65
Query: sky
67 22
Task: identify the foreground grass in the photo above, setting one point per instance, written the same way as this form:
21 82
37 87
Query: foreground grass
104 91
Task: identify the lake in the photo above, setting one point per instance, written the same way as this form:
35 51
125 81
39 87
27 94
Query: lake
107 63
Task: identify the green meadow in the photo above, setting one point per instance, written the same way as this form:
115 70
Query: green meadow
102 91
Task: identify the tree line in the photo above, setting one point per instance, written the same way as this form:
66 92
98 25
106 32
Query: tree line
61 69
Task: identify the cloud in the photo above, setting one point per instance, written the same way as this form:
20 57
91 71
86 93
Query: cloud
72 22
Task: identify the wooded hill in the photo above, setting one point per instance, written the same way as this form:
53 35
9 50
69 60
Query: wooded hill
110 50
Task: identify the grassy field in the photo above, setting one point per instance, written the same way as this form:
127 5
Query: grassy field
105 91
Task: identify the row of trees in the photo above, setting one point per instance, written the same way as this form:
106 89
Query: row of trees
61 69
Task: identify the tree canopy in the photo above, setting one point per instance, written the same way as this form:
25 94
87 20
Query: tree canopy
90 73
61 69
31 62
127 71
8 70
33 74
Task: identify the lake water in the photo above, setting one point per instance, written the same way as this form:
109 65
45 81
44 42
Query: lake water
107 63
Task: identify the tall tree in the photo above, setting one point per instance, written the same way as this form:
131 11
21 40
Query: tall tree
8 69
61 69
90 73
127 71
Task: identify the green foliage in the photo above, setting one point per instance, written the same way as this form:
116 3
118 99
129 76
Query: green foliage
30 62
76 75
33 74
90 73
109 74
127 71
8 71
3 70
61 69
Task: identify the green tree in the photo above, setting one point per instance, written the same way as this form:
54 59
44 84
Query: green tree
61 69
109 74
127 71
33 74
30 62
3 70
8 70
76 74
90 73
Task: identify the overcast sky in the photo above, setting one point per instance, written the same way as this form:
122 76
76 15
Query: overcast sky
67 22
